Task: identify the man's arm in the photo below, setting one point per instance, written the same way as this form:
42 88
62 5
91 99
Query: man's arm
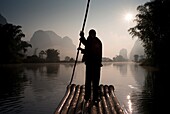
82 50
82 38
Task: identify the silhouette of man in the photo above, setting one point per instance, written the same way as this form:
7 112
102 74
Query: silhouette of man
92 58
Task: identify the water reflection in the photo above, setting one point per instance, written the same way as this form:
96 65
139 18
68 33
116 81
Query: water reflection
143 93
52 69
38 88
12 81
122 67
139 73
129 104
152 97
107 63
69 65
42 68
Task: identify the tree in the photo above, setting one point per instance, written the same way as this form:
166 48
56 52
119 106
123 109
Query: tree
153 29
12 47
67 58
72 59
52 55
41 54
119 58
136 58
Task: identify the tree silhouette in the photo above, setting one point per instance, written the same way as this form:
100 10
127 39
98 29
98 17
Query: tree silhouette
52 55
41 54
67 58
153 29
12 48
136 58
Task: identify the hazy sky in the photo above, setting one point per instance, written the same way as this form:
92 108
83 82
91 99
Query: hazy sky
65 17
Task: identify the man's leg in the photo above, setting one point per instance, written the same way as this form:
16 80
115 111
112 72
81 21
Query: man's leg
88 83
96 80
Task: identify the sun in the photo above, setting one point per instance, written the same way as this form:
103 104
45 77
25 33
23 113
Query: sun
128 17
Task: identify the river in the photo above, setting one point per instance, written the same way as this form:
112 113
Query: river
38 88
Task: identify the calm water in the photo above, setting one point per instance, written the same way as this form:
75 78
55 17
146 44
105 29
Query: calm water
38 88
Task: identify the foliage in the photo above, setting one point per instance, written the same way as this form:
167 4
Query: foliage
136 57
119 58
153 29
67 58
34 59
72 59
52 55
12 47
41 54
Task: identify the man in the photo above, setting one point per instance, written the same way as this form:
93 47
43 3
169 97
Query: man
93 60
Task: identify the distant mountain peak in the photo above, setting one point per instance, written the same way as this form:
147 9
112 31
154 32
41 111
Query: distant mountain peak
137 49
48 39
68 39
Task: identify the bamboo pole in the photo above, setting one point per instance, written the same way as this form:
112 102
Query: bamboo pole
84 23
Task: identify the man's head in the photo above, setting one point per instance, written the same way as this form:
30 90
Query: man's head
92 33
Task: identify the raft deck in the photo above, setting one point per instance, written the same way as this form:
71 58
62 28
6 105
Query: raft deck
72 102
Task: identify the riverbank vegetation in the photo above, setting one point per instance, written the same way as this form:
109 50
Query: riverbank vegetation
153 29
12 47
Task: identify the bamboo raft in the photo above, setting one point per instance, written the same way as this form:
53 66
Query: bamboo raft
72 102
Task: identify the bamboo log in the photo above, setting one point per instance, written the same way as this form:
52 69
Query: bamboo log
74 101
100 108
93 110
61 104
106 110
118 108
101 90
80 100
110 103
69 99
